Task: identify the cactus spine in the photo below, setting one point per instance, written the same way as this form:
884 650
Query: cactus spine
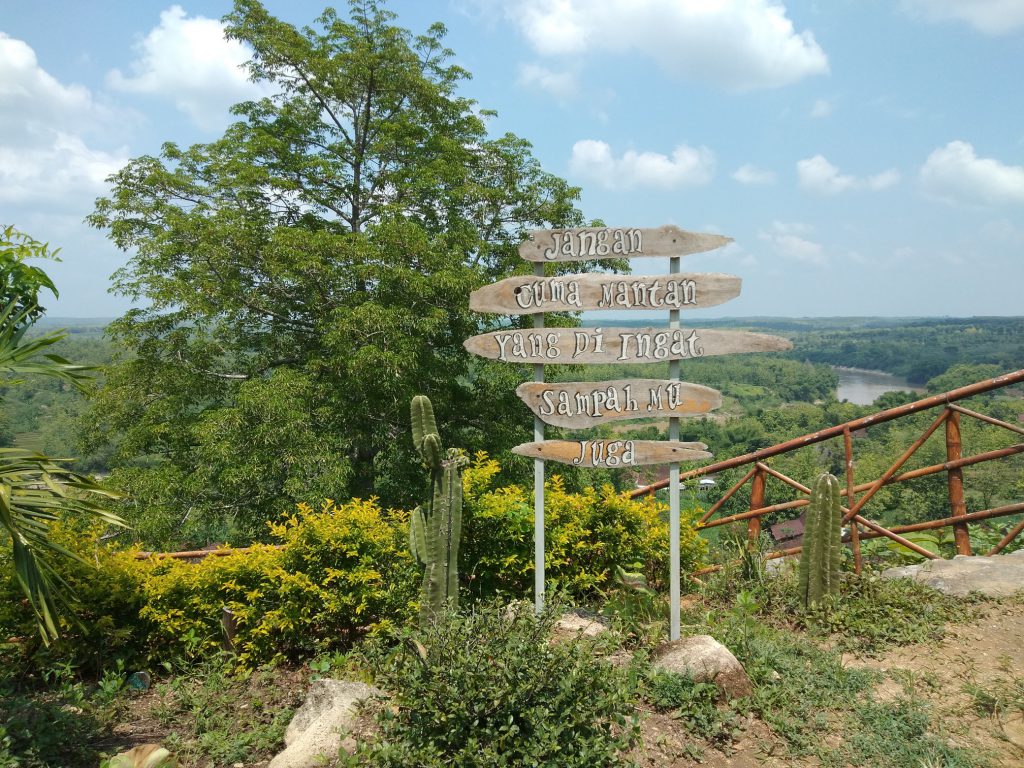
819 563
434 531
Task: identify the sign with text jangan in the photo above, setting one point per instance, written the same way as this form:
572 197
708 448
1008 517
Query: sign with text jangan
578 405
576 293
586 243
554 346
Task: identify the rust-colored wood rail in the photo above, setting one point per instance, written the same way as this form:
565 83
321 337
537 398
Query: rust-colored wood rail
949 418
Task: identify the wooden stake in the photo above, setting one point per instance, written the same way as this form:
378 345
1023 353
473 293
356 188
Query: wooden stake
955 482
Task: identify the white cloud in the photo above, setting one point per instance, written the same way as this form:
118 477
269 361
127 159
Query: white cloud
752 175
66 169
788 242
593 160
819 175
822 108
992 17
43 154
189 61
884 180
738 44
954 173
816 174
562 85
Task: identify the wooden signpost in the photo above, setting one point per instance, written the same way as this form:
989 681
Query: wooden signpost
613 454
580 405
575 293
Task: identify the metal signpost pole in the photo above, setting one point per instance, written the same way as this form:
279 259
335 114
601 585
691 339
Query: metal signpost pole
673 474
538 478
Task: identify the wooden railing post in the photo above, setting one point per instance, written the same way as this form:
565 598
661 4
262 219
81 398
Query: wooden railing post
850 500
955 476
756 502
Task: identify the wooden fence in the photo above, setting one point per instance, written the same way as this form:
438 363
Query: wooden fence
858 495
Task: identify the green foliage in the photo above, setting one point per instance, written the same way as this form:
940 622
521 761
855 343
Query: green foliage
35 489
819 560
435 532
312 266
489 689
899 734
588 534
694 704
107 587
216 718
343 570
20 282
50 731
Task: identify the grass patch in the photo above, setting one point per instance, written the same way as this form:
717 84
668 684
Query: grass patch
213 716
897 734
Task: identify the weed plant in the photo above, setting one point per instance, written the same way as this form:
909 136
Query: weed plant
694 705
489 688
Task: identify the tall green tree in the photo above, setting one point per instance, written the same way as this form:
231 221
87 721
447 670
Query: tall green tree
307 273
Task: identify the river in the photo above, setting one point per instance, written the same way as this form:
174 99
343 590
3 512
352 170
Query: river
861 387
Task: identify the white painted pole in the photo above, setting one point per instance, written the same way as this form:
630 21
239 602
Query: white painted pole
673 474
538 481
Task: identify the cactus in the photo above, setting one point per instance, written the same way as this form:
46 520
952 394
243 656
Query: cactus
434 531
819 563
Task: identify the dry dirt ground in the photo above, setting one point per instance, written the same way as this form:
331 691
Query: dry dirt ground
986 653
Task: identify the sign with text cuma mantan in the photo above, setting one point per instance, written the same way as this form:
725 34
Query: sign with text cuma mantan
577 293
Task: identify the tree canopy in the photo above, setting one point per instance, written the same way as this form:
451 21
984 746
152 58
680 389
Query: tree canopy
300 278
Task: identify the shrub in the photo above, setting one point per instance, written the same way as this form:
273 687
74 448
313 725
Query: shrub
587 535
344 570
489 689
107 595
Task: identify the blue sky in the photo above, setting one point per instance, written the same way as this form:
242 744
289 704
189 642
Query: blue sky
867 156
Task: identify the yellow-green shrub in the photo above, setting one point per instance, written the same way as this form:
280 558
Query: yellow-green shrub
107 591
344 570
587 534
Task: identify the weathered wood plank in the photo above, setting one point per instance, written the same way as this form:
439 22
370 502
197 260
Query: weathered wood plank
555 346
613 453
577 293
581 404
615 243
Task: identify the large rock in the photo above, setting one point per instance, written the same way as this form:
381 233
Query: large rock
316 730
996 576
707 661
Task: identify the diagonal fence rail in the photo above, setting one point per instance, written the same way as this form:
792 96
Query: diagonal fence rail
858 495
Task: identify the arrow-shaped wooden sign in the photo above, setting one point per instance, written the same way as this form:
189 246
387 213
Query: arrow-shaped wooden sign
554 346
588 243
613 454
581 404
576 293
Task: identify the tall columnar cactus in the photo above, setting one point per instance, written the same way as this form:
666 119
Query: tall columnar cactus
819 563
434 530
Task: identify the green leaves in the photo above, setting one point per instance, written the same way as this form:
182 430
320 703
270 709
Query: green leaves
35 491
334 232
